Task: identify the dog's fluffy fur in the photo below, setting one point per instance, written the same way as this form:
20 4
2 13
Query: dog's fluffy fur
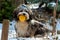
21 29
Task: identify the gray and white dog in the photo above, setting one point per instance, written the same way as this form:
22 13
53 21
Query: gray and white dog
29 27
22 28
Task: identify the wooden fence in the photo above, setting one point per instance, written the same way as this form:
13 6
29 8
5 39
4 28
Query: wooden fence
5 30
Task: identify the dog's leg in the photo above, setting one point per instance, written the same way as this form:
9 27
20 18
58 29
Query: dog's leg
17 36
16 32
32 34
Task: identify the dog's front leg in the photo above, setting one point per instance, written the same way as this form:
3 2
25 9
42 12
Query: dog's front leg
16 32
32 34
17 35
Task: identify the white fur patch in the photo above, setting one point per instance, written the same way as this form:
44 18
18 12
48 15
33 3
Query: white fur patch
21 28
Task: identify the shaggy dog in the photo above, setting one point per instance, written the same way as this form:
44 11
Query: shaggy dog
25 25
22 15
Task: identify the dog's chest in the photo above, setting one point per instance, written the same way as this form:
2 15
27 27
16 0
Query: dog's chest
22 28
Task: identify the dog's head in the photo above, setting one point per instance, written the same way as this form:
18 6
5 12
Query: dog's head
22 13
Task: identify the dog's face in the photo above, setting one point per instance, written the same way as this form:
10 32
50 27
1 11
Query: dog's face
23 16
22 13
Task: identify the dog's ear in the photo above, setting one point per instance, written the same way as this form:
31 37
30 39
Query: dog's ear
15 12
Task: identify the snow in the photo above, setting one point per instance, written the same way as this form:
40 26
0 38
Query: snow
34 6
58 36
12 36
58 24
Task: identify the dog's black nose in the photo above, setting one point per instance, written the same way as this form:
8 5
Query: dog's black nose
23 13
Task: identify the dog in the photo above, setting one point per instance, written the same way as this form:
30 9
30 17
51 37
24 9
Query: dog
26 25
22 15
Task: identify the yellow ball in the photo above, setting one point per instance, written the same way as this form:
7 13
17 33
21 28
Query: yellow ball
22 18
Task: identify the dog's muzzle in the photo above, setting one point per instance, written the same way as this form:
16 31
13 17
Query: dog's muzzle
23 16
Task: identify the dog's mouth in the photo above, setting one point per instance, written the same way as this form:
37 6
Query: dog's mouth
22 18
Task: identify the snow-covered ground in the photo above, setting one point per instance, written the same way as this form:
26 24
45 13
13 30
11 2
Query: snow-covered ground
12 36
12 33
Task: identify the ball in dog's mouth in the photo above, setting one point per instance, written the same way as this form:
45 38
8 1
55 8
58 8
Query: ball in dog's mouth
22 18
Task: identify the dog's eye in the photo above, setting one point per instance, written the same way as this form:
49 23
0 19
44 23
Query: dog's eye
23 14
26 11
